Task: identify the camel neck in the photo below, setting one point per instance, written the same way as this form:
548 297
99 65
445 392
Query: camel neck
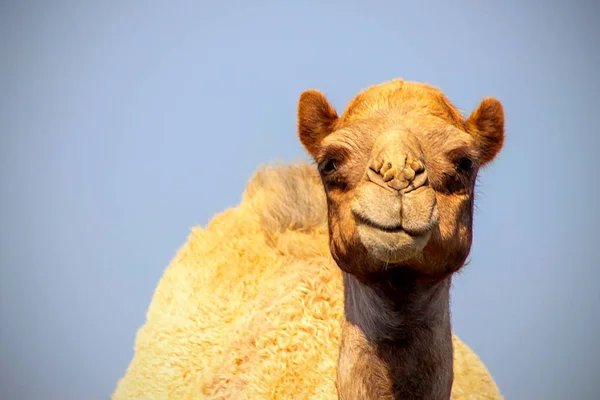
397 340
390 307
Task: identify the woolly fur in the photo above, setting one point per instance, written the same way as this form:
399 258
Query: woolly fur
251 306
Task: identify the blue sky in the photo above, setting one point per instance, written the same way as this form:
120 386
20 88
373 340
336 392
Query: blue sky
124 124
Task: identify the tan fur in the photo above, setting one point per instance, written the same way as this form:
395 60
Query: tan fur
251 306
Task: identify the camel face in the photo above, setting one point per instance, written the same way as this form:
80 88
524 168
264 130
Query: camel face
399 169
394 207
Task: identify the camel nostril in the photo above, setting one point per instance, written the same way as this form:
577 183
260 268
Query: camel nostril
385 168
376 164
408 173
404 176
420 180
417 166
389 175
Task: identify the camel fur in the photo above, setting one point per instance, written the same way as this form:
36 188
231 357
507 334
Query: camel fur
251 306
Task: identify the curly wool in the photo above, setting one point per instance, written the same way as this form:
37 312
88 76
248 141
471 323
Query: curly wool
251 306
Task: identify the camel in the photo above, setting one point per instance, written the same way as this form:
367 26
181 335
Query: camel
398 168
331 279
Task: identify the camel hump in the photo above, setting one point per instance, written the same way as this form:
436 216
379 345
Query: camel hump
287 197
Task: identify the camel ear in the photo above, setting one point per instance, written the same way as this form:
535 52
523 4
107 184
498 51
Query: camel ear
487 126
316 119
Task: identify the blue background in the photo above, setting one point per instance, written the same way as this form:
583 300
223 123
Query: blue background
124 124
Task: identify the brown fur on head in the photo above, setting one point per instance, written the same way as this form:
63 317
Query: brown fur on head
399 169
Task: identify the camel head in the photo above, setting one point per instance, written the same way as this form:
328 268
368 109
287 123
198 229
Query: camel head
399 169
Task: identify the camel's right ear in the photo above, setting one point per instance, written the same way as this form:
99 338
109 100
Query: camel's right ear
316 118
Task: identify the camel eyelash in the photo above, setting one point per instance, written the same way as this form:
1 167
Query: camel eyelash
463 160
328 166
331 159
464 165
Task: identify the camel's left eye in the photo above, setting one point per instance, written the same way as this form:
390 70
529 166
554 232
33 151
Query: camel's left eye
328 166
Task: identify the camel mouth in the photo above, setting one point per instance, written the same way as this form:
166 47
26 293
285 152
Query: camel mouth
363 220
414 214
396 227
391 247
392 242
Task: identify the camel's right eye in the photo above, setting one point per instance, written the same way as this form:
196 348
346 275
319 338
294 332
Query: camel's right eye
464 165
328 166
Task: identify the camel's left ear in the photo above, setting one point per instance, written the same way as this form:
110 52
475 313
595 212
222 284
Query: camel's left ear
486 124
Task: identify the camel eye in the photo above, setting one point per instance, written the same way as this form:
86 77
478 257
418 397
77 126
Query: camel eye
464 165
328 167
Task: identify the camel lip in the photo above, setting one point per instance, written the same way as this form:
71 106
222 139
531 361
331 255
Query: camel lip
398 228
386 228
